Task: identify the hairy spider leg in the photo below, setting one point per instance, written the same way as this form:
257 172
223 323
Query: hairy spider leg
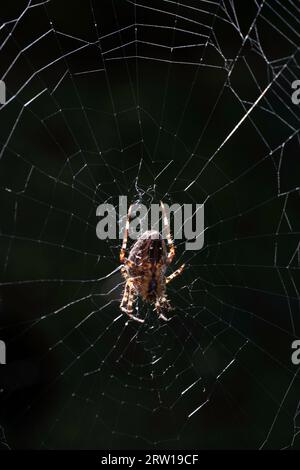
161 305
124 302
124 244
171 246
175 274
128 301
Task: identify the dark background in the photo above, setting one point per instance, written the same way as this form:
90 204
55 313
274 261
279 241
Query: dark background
119 101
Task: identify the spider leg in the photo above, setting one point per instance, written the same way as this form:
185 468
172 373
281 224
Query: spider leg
128 300
129 264
162 305
171 246
124 301
124 272
175 274
125 238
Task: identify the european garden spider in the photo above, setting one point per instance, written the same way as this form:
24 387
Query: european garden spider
144 269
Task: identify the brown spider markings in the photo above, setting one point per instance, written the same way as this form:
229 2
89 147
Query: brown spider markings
144 269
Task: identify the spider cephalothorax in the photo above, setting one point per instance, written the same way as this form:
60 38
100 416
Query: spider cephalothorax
145 267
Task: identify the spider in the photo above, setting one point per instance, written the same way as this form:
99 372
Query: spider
144 269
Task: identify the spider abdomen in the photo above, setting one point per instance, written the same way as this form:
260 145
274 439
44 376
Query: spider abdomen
148 280
148 264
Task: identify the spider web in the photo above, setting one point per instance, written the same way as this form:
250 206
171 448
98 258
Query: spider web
186 102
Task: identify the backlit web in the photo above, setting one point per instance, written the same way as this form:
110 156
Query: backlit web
185 102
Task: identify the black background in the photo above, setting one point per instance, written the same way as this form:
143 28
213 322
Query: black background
125 108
